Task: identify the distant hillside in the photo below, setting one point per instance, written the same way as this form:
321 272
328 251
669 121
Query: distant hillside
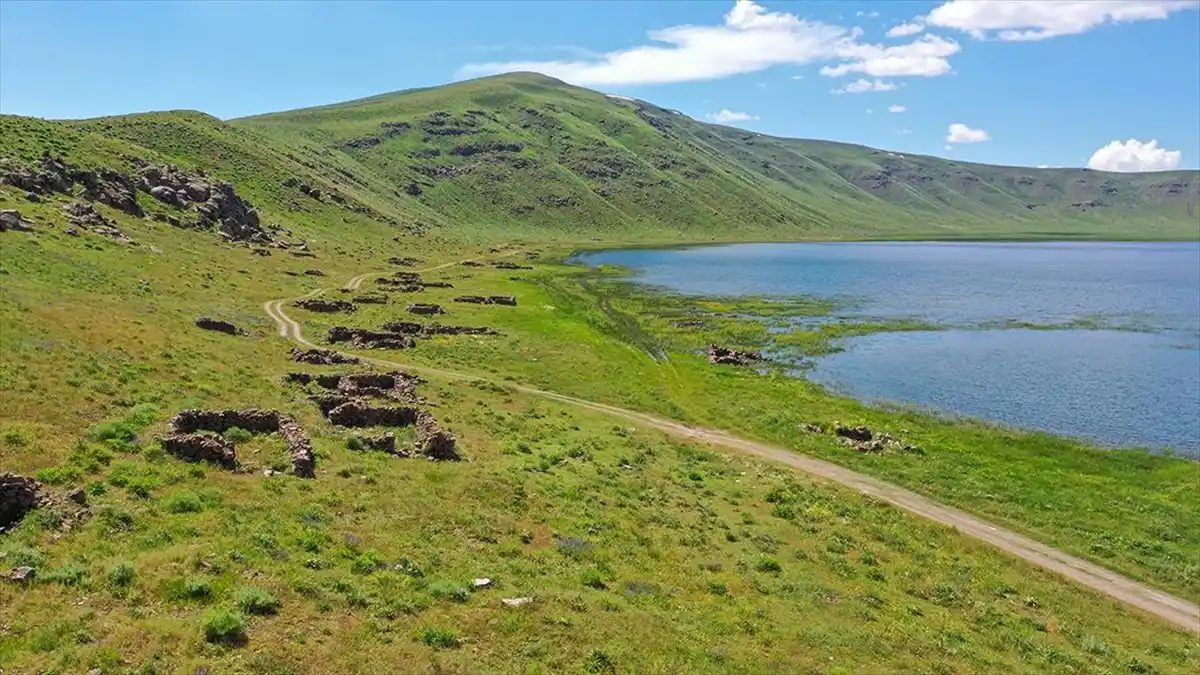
527 156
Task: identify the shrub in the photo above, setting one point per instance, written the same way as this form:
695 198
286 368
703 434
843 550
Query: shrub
253 600
599 663
120 576
768 565
223 625
191 588
237 435
439 638
717 589
118 432
594 579
20 555
354 443
444 589
184 502
58 475
366 563
72 573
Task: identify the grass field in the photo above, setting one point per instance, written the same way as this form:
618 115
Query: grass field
642 554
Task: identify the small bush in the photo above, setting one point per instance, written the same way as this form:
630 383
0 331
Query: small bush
237 435
184 502
367 562
119 432
20 555
768 565
256 601
717 589
354 443
71 574
599 663
443 590
120 576
439 638
594 579
191 588
223 625
58 475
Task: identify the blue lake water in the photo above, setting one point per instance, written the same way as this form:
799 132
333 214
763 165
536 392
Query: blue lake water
1138 387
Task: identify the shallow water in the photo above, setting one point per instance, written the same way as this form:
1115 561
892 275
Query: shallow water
1134 387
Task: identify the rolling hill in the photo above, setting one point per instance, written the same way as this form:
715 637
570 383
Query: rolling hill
524 155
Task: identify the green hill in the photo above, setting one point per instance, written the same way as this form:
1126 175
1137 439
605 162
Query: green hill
524 155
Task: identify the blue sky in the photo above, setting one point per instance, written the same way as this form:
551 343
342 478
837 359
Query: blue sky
1031 82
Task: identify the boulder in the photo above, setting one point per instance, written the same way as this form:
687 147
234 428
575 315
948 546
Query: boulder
18 496
165 194
21 575
10 219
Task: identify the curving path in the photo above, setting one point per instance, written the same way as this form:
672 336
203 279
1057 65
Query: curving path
1175 610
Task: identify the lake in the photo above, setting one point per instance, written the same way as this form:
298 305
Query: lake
1120 368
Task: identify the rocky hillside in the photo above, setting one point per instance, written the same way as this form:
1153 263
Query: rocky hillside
527 156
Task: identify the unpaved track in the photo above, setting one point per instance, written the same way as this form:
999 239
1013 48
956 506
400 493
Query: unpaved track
1175 610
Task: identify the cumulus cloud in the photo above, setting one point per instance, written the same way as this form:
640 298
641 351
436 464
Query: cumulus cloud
1133 156
924 57
961 133
749 39
904 132
862 86
725 116
896 108
906 28
1024 20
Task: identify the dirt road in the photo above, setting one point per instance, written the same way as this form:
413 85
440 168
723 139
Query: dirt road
1175 610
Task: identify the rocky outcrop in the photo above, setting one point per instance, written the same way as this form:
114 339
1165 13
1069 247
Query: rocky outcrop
298 445
323 305
724 355
362 414
368 339
201 447
102 185
432 440
220 421
321 357
221 326
11 219
217 204
18 495
84 215
425 309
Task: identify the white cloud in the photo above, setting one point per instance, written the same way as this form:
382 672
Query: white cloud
725 116
862 86
869 15
1023 20
924 57
906 28
797 77
948 148
1134 155
961 133
904 132
896 108
749 39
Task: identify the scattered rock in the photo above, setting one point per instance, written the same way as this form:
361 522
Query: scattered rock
84 215
371 299
690 323
482 583
502 300
202 447
425 309
400 285
436 284
404 261
509 265
78 496
472 263
23 574
516 602
222 326
323 305
314 273
863 439
723 355
303 459
859 433
11 219
360 337
321 357
411 328
813 428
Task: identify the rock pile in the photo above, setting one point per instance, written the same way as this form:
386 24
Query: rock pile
323 305
405 261
425 309
509 265
411 328
863 439
85 216
303 459
18 496
385 442
724 355
202 447
371 299
368 339
400 285
432 440
321 357
221 326
220 421
487 300
356 413
216 203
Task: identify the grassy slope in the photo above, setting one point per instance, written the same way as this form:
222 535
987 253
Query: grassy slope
623 169
98 332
